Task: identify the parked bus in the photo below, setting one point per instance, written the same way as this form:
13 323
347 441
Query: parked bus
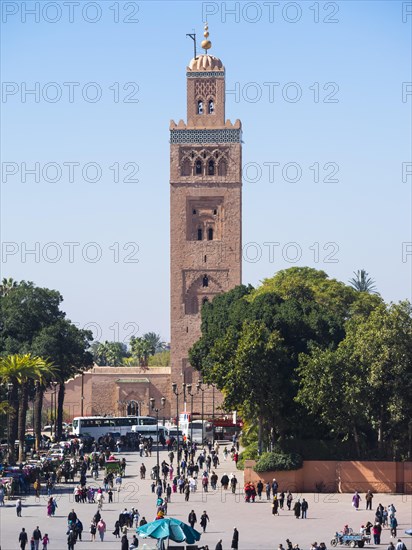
195 427
225 429
96 426
151 431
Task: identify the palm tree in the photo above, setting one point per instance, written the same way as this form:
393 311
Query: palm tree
362 282
7 285
141 349
155 342
18 370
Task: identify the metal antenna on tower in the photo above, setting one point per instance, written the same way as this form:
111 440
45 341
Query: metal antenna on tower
193 37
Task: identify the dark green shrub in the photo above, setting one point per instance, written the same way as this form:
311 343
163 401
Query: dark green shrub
249 453
278 461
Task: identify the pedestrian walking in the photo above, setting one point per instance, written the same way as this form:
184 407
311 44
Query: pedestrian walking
124 543
297 508
37 537
204 518
259 489
23 538
304 508
101 528
192 519
219 545
393 524
18 507
275 506
45 541
71 540
235 540
368 499
289 498
356 500
92 530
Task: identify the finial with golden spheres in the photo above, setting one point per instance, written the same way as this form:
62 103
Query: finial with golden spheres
206 44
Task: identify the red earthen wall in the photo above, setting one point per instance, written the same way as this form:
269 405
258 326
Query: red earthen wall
340 476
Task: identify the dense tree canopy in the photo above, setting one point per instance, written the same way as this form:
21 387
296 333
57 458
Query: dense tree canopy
31 322
310 357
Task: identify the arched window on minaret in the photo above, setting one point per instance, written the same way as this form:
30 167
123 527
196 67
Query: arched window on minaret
205 281
211 106
222 168
211 168
199 234
198 168
210 234
200 107
186 168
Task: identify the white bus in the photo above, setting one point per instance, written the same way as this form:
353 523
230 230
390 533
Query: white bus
195 427
96 426
151 431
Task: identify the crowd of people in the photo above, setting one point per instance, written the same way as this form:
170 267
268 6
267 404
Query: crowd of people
183 472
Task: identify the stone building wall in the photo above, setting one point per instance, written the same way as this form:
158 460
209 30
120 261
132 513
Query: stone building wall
106 389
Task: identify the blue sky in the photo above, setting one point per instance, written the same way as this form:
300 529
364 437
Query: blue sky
325 131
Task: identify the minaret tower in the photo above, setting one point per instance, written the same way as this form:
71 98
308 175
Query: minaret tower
205 206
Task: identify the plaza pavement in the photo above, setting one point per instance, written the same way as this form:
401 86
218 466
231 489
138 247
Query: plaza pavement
258 528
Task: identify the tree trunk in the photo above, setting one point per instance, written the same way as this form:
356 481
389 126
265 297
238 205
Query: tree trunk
260 436
380 432
60 402
12 432
37 410
24 399
356 439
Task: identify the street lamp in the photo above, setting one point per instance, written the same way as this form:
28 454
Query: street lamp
189 391
183 392
55 408
156 410
10 442
199 388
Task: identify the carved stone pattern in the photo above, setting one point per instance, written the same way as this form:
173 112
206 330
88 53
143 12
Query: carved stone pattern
205 89
203 152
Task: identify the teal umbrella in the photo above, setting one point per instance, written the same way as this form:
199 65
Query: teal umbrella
169 528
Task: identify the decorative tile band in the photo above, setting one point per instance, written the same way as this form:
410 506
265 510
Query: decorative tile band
208 74
206 136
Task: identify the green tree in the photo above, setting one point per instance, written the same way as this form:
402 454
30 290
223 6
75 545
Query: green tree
18 370
296 309
161 359
140 349
362 282
362 389
155 342
382 344
31 322
109 353
67 347
7 284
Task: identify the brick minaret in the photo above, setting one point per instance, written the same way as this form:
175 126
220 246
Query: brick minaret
205 208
